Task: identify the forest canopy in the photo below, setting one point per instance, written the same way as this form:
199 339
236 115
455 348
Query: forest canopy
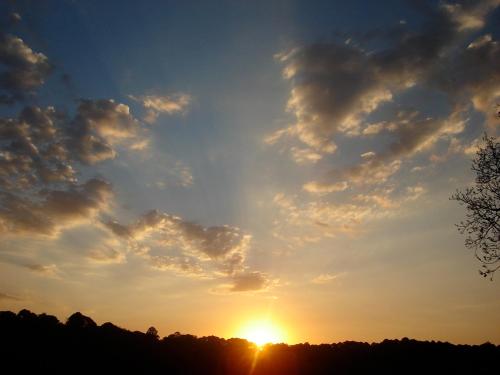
31 343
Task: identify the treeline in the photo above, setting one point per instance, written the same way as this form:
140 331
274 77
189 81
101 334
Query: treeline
40 344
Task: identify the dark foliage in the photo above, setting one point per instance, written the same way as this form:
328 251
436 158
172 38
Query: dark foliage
39 344
482 201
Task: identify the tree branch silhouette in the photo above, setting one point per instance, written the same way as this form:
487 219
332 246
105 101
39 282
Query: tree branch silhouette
482 202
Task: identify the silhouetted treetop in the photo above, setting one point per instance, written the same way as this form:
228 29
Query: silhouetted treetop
78 320
153 332
31 343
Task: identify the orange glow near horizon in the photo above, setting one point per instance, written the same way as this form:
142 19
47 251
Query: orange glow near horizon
261 332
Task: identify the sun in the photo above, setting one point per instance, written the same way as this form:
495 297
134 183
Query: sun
262 332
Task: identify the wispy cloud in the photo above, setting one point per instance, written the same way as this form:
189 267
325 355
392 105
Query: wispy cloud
168 104
9 297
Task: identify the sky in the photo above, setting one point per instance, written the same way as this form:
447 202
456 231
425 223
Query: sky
196 166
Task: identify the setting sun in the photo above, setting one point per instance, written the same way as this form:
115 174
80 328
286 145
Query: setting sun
262 332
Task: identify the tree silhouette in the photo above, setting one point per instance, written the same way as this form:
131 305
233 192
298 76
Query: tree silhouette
152 332
482 202
40 344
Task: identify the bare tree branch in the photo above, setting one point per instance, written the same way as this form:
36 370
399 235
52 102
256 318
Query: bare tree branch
482 202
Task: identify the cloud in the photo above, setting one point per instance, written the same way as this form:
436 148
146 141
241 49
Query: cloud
249 281
23 69
33 150
98 126
181 174
411 134
456 147
336 87
213 242
179 264
50 270
168 104
323 188
304 156
170 243
8 297
184 246
106 254
300 222
470 14
325 278
15 17
52 210
41 145
42 150
473 74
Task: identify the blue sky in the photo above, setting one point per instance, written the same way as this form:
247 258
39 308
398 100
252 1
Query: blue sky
289 159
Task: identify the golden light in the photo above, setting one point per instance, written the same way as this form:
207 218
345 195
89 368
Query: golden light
262 332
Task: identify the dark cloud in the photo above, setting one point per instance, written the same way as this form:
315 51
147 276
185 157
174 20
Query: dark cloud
23 70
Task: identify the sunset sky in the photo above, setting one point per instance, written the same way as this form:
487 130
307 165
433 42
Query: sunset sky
200 165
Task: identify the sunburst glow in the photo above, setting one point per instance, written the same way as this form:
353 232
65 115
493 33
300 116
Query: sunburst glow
262 332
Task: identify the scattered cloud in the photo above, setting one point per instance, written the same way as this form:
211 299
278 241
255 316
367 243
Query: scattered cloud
171 243
304 156
180 264
98 126
168 104
411 135
42 152
24 70
323 188
299 221
249 281
325 278
337 87
53 209
472 74
212 242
